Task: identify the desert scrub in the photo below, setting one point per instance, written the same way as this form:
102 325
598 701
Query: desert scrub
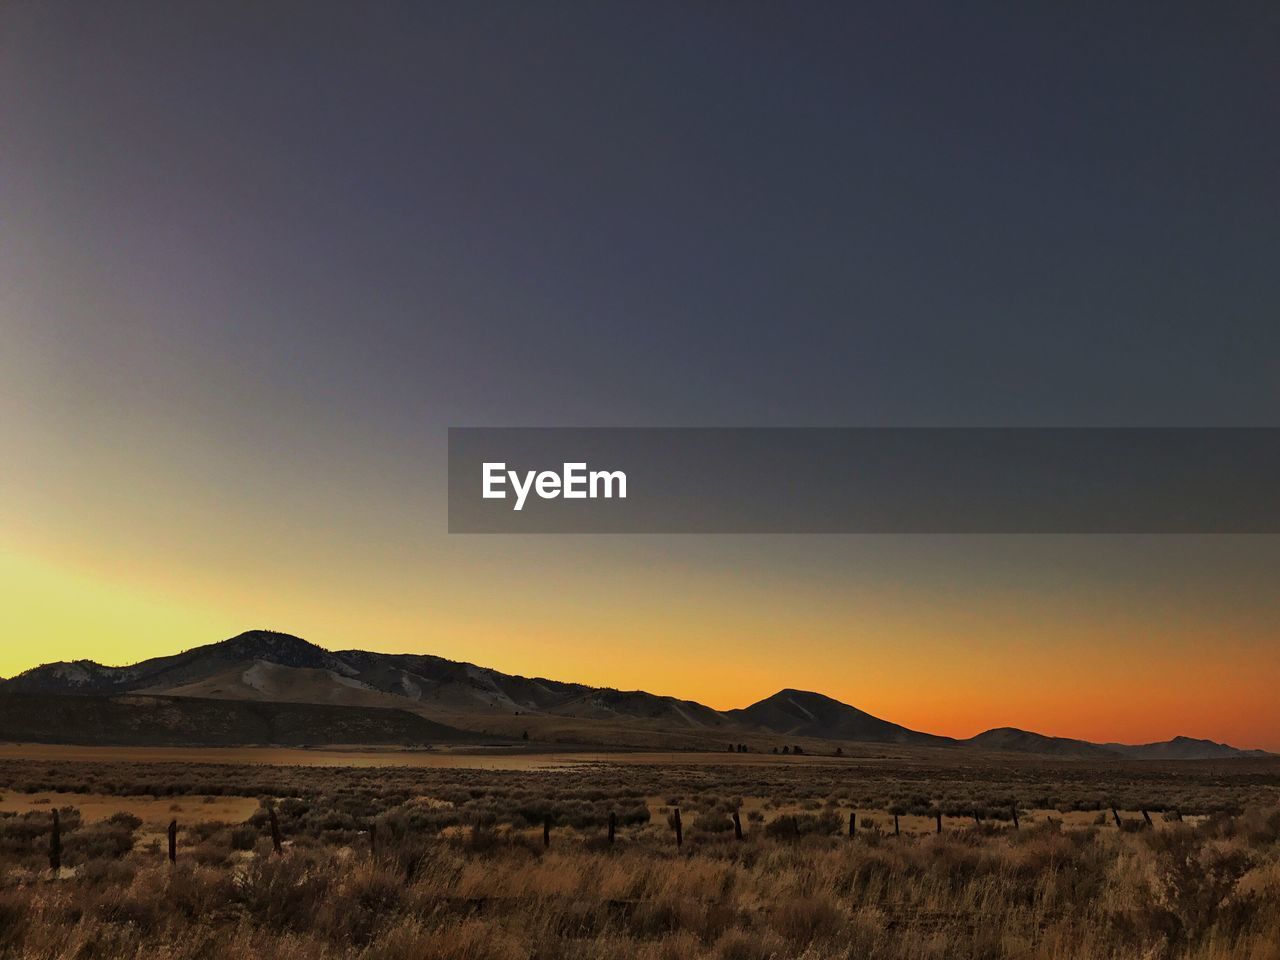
459 869
976 895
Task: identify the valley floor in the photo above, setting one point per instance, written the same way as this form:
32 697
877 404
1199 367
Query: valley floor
467 856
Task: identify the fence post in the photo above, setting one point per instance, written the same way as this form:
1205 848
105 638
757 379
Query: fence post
977 821
55 844
679 828
1147 817
1116 813
939 816
896 831
546 830
613 824
853 822
1016 826
173 841
275 828
737 826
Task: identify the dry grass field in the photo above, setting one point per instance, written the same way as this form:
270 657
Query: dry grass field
391 861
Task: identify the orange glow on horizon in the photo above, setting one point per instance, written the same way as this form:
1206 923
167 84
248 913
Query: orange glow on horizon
954 668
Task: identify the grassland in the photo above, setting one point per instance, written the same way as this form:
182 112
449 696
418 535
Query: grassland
388 861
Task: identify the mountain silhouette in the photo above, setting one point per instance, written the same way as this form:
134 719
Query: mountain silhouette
801 713
416 698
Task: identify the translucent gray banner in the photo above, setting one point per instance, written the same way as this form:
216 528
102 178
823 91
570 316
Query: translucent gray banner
863 480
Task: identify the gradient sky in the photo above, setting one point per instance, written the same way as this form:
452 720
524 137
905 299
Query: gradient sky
255 258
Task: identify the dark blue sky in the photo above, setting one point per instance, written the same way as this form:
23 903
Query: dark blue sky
677 213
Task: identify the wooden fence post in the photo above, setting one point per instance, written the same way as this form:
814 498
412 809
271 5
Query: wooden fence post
1147 817
546 830
275 829
737 826
939 816
977 820
173 841
1116 813
896 831
679 828
613 825
55 844
1016 825
853 822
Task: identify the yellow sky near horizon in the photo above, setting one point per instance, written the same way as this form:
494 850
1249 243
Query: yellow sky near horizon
945 662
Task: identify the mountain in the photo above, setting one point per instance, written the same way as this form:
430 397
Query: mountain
263 679
162 673
268 666
799 713
1183 748
1011 739
140 720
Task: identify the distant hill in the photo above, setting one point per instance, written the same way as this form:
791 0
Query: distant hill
262 684
799 713
140 720
1183 748
1023 741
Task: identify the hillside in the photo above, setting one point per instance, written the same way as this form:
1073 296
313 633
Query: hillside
135 719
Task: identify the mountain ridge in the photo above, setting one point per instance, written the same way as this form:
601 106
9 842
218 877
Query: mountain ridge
267 666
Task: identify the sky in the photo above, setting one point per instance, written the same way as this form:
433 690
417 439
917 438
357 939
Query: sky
255 259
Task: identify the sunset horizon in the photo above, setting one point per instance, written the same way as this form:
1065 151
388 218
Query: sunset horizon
902 711
664 481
